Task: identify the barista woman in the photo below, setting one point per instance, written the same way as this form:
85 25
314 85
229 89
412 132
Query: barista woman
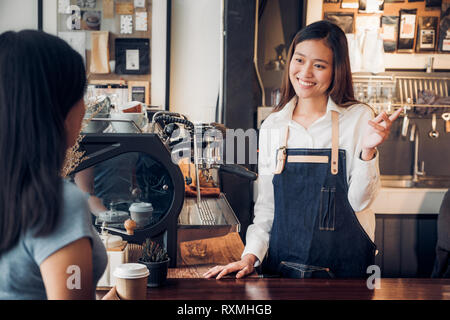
48 248
318 165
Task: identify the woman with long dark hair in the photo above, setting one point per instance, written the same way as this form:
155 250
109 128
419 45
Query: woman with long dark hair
318 169
48 247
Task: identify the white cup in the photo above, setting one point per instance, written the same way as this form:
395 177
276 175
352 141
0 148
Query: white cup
141 213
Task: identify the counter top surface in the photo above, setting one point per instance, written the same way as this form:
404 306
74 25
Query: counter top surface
298 289
195 257
408 200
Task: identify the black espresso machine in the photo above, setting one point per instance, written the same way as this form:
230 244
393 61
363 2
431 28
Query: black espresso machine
133 173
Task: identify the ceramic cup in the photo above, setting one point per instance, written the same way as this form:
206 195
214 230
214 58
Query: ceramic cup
141 213
131 281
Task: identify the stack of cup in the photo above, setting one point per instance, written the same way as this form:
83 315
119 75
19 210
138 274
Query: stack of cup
131 281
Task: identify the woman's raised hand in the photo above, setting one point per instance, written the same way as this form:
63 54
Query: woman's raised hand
243 267
378 131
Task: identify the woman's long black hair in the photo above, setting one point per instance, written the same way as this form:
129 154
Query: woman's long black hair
41 79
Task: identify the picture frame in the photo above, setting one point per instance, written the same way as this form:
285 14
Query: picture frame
345 20
132 55
139 91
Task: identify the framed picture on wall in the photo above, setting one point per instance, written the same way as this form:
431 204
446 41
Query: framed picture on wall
139 91
343 19
426 33
132 55
371 6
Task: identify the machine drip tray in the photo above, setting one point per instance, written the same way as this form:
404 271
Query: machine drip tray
213 218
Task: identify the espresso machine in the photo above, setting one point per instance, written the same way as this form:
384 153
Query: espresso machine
203 145
122 170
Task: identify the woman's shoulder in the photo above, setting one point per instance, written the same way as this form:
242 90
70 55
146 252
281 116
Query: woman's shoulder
359 110
73 223
275 120
281 117
269 122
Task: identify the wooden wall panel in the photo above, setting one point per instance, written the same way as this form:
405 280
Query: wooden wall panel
406 245
427 238
392 247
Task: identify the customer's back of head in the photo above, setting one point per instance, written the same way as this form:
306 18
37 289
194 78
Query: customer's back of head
41 79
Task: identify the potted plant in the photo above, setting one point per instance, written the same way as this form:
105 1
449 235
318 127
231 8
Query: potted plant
155 257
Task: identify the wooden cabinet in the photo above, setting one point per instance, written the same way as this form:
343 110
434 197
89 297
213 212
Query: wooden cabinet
406 244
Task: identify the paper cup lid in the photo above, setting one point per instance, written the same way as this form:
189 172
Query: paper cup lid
131 271
141 207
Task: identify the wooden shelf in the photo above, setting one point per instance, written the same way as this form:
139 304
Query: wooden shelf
118 77
416 60
395 60
390 9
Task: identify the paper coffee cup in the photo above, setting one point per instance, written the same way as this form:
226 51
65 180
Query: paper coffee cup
131 281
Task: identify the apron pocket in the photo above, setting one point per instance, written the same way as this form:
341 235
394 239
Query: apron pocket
327 209
302 271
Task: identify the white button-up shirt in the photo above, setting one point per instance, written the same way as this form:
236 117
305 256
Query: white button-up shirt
362 176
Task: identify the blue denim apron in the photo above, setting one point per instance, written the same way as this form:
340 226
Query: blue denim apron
315 232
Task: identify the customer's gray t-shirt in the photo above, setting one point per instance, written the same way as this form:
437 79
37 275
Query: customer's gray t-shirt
20 276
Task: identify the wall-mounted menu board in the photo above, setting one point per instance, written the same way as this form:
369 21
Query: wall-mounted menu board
405 25
113 36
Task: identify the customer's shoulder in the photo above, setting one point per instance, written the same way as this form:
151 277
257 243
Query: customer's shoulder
73 194
75 213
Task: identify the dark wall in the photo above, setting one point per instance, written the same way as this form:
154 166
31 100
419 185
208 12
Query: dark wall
397 153
293 18
241 96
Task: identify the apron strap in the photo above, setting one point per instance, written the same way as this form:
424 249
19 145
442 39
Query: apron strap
281 152
334 142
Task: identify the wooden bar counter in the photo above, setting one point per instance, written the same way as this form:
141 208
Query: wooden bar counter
186 282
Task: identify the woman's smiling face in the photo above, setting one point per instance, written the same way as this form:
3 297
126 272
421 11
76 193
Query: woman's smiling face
311 69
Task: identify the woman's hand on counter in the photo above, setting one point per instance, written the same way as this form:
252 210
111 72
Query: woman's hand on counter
243 267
